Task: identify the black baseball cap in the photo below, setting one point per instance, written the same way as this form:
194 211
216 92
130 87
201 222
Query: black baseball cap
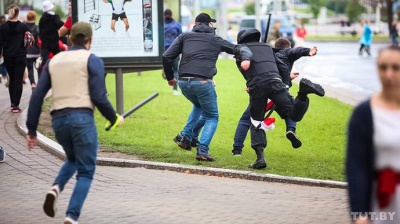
204 18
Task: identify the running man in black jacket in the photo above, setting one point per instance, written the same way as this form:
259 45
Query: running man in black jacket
200 50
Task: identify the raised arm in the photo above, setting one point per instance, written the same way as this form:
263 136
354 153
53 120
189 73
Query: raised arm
296 53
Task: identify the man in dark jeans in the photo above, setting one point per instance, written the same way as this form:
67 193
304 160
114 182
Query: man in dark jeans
286 56
200 50
77 89
264 82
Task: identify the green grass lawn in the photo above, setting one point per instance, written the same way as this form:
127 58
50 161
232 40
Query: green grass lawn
148 132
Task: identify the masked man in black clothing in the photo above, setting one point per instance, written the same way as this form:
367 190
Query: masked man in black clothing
200 50
264 82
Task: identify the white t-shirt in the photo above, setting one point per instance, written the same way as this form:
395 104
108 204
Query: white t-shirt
118 6
387 155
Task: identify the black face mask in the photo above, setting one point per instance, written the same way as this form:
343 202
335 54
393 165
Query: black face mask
168 18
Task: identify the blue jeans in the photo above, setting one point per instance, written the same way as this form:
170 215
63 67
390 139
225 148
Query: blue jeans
395 42
3 70
204 99
197 128
77 134
244 126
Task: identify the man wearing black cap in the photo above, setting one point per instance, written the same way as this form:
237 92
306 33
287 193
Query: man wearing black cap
77 88
200 49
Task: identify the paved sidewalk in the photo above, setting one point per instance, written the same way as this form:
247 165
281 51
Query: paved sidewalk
137 195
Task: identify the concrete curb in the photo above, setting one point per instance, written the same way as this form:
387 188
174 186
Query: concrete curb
55 149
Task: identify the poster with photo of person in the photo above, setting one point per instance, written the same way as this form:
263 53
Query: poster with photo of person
123 29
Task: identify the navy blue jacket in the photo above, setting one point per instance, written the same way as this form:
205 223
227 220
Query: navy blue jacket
360 156
97 89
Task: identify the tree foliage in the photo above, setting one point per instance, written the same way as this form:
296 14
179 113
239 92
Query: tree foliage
315 6
250 8
338 6
354 10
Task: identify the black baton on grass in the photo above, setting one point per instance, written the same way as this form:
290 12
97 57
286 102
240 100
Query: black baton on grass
133 109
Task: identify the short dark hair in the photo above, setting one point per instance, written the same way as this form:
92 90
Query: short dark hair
282 43
80 39
168 12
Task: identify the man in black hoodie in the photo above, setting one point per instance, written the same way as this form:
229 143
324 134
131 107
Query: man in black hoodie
265 82
49 24
200 50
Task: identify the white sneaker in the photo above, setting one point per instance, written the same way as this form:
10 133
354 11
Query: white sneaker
50 204
69 220
176 93
2 155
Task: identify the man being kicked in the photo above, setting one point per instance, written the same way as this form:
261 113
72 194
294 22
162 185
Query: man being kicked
263 83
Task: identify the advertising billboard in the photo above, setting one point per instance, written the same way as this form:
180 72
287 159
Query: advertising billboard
125 32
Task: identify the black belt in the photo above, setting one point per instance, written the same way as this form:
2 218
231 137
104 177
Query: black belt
193 78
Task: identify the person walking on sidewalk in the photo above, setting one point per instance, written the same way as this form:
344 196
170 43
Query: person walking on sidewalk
4 76
76 90
33 53
366 39
49 24
200 50
12 35
373 151
394 32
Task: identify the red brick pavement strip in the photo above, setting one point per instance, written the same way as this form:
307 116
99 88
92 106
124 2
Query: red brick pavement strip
137 195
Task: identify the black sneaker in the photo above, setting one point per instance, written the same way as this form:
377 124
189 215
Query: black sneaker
195 143
306 86
2 155
207 158
237 152
177 139
291 135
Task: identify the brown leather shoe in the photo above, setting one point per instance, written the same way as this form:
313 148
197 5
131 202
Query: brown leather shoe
207 158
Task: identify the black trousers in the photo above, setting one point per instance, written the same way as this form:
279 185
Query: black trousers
30 65
15 67
44 53
287 106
